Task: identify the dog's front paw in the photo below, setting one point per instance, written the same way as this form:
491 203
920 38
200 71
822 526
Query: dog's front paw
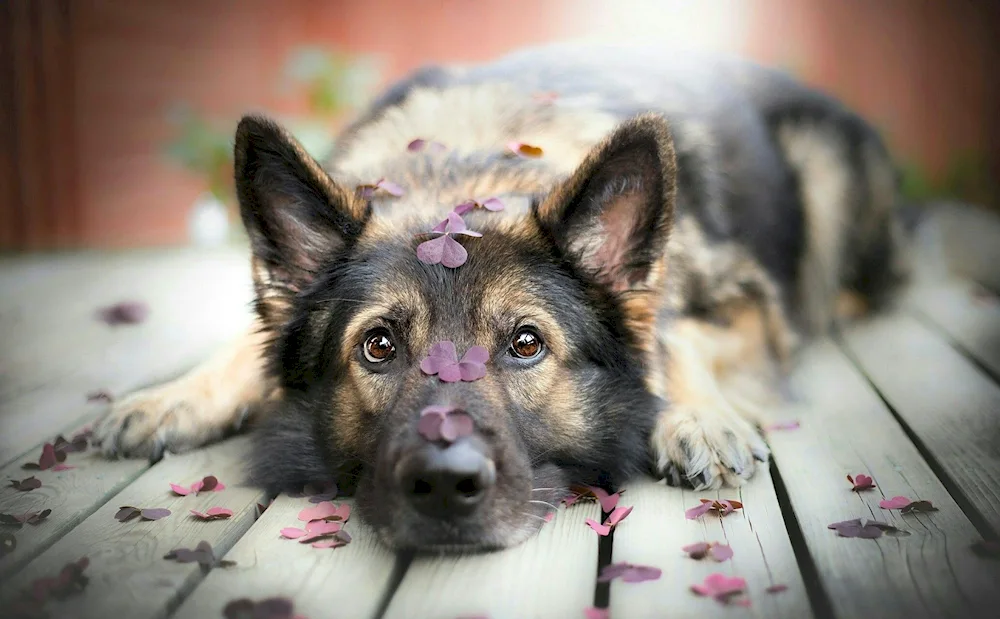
706 449
173 417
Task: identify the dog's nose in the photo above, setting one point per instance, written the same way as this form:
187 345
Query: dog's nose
446 481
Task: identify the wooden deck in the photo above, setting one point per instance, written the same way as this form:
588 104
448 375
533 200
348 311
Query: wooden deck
911 399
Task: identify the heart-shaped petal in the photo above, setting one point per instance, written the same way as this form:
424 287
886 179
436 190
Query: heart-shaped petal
601 529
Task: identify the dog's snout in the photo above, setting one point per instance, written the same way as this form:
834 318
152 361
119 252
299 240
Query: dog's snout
446 481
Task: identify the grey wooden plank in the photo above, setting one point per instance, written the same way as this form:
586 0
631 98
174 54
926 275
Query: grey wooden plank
53 351
72 495
965 313
945 400
655 531
551 575
345 582
965 238
846 429
128 575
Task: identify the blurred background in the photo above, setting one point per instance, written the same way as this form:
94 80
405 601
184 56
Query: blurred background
116 116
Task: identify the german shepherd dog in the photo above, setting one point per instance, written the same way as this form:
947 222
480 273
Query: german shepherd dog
672 227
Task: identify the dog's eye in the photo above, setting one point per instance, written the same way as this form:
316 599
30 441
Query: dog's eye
526 344
378 347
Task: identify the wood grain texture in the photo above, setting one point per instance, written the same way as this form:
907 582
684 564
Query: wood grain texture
655 531
54 351
965 313
342 582
128 575
72 495
846 429
550 576
966 238
944 399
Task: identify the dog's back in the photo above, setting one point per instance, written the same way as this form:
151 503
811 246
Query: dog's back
784 171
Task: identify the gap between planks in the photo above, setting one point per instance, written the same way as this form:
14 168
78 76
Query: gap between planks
128 575
846 429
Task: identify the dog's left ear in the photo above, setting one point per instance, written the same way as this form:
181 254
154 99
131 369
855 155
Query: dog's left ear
613 215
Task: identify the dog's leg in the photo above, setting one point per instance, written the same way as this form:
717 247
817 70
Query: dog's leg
204 405
721 381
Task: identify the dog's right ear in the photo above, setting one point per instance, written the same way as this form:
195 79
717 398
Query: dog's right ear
296 216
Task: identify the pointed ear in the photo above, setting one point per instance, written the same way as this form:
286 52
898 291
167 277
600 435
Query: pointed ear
296 216
613 215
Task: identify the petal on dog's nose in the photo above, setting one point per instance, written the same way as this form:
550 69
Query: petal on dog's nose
446 481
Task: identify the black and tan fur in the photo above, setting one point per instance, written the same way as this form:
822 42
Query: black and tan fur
691 220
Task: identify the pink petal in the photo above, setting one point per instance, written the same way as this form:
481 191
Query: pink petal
429 427
416 145
432 251
219 511
493 204
390 187
697 550
343 513
329 543
618 515
321 511
721 552
292 533
48 459
601 529
441 227
607 501
453 255
776 588
455 426
476 354
450 373
549 516
62 467
896 502
470 372
464 207
642 573
698 511
455 223
782 425
596 613
444 350
181 490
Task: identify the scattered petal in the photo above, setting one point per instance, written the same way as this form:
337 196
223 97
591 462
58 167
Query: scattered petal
326 511
442 359
629 573
367 191
202 554
549 516
596 613
7 544
444 423
779 588
79 443
987 549
181 490
26 485
154 513
127 513
619 514
601 529
271 608
698 511
62 467
721 552
782 425
697 550
723 507
124 313
100 395
607 501
292 532
896 502
420 144
214 513
720 587
861 482
49 458
17 520
917 507
524 150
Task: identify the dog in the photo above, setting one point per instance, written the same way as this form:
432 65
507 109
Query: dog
673 226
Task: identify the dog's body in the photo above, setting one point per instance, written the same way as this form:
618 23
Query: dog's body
665 275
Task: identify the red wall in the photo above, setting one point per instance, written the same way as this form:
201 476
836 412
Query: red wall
86 83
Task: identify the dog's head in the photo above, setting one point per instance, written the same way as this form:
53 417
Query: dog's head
563 299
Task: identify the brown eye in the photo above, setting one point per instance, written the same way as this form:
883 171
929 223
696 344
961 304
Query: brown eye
379 348
526 344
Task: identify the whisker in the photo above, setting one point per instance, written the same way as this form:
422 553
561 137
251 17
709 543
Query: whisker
533 516
544 503
540 489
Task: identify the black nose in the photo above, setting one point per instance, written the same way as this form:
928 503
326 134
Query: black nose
446 481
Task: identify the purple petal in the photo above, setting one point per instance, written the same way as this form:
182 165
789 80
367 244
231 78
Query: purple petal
456 425
698 511
416 145
453 255
436 409
432 252
155 513
390 187
455 223
450 373
441 227
471 371
641 573
493 204
445 350
476 354
464 207
433 365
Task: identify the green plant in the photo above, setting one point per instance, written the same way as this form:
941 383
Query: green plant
204 147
